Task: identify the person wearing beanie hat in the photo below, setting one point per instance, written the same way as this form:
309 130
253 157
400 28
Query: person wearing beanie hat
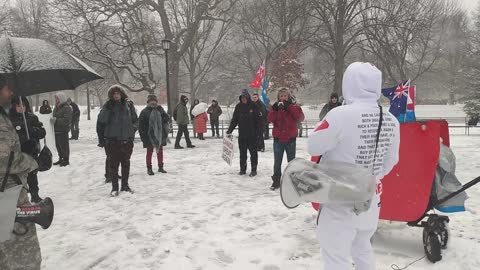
180 115
247 116
332 104
215 111
62 118
153 126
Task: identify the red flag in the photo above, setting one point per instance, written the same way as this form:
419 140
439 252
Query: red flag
257 82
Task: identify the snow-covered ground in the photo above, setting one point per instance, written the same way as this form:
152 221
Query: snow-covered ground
202 215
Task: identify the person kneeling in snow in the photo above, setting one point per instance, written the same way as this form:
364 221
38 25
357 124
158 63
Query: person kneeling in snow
153 126
351 133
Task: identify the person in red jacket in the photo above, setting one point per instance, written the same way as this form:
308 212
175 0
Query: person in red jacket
284 115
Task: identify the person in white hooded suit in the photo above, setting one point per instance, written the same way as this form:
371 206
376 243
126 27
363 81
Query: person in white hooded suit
349 134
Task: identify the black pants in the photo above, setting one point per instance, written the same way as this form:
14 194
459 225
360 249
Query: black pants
119 153
267 131
183 130
249 143
215 126
63 145
75 128
32 180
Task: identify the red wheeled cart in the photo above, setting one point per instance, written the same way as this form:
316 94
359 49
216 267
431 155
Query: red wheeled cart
407 188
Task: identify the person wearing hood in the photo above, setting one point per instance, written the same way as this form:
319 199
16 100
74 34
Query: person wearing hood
192 117
75 119
248 118
332 104
62 119
153 127
361 133
45 108
21 251
215 111
263 119
180 115
284 115
115 130
29 144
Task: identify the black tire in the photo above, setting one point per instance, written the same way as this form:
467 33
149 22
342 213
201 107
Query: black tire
444 235
433 247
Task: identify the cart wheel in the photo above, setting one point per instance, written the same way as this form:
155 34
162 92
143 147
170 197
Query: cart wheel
432 247
444 235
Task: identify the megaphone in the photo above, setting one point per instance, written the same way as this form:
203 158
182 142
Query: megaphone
41 214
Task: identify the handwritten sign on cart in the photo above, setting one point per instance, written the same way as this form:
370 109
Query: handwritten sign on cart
227 153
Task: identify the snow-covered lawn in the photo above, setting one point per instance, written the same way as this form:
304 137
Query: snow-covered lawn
202 215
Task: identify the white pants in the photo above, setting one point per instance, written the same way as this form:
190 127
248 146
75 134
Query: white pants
342 234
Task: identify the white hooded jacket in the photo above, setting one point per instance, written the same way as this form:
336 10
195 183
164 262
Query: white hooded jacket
348 133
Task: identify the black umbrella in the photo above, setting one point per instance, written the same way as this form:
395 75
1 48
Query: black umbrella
37 66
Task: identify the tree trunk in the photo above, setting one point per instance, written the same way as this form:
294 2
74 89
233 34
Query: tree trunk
75 96
339 70
174 71
37 102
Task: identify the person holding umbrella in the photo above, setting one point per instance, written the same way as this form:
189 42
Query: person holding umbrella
20 251
30 145
62 119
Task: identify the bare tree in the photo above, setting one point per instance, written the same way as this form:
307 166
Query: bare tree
406 36
200 56
341 25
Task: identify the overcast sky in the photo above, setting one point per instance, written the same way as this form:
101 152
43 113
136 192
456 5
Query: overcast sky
469 4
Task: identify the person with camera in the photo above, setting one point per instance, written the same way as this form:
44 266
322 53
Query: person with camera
30 144
21 251
284 115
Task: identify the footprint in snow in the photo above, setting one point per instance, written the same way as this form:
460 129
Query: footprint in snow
223 257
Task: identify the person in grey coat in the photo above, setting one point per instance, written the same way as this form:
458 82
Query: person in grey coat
116 125
62 119
20 252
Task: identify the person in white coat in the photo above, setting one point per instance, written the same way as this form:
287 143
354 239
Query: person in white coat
351 134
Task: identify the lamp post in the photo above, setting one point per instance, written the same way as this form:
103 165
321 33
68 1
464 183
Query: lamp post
166 47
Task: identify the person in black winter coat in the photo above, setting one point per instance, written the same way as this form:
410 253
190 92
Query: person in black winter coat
116 131
263 119
31 146
154 135
332 104
45 108
75 120
248 118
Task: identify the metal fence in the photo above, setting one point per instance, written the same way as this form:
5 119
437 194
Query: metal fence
309 124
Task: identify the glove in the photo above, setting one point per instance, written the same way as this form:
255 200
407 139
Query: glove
30 147
286 104
281 106
101 143
275 106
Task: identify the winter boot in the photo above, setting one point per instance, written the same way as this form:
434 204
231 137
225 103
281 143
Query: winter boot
125 186
242 173
58 162
160 169
191 146
149 170
276 182
114 192
35 198
178 147
253 173
64 163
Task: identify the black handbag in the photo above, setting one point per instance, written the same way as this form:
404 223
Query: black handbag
44 159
